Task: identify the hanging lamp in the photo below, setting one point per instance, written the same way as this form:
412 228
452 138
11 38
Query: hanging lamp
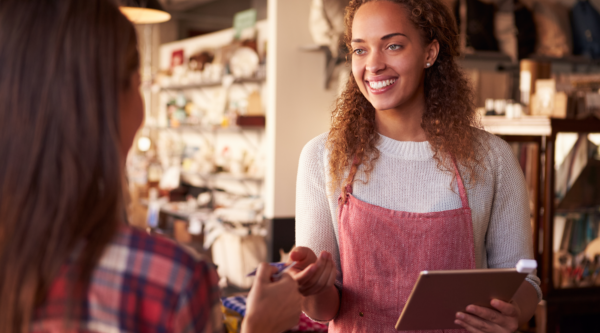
144 11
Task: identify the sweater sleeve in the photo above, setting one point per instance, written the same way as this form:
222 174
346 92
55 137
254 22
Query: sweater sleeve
315 224
509 235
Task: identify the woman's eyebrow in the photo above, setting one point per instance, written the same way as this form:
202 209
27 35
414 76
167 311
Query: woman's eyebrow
388 36
392 35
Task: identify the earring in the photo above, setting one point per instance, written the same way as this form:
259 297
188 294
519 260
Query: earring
428 64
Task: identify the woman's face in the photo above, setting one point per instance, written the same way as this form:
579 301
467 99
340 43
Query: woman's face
388 55
131 109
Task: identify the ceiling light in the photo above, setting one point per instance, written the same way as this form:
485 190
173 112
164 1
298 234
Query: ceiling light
144 11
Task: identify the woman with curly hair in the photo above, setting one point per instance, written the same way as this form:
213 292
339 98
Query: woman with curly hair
405 180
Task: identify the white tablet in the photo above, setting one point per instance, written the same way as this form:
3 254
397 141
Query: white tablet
438 295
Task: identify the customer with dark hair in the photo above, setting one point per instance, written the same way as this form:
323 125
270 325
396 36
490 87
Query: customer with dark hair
69 109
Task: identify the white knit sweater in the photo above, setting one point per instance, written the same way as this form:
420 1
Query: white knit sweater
406 178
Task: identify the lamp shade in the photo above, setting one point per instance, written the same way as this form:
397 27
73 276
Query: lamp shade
144 11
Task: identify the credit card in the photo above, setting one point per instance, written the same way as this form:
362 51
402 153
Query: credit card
281 267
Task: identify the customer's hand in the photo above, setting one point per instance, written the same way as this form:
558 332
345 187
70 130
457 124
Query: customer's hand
313 274
503 318
272 307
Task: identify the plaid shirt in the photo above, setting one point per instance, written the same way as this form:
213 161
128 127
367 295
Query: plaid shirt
142 283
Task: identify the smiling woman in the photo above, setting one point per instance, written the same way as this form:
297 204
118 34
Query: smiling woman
398 47
388 65
405 180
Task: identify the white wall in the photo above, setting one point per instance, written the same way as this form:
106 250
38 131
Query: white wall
298 107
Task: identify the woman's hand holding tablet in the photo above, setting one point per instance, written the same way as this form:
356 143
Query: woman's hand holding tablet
503 318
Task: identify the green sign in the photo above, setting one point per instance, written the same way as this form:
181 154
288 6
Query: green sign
244 20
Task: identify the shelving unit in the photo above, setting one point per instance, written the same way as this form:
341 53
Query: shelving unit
560 302
252 138
202 129
201 85
525 126
208 129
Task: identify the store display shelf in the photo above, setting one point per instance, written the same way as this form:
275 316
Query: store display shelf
179 210
487 56
529 125
572 59
221 176
577 210
209 84
207 128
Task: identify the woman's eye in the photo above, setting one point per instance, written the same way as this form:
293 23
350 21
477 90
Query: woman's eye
358 51
395 47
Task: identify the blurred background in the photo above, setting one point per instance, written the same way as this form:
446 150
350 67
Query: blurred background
234 89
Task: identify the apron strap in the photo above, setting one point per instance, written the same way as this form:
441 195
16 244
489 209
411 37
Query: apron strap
347 187
461 187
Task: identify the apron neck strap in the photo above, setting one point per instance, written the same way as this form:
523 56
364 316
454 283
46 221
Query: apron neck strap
461 187
347 187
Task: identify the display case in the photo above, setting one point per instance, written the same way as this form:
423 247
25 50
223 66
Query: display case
563 196
566 209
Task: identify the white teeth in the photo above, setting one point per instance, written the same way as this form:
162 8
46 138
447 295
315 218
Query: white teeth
381 84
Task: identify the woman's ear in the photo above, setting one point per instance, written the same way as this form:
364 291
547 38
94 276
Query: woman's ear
431 52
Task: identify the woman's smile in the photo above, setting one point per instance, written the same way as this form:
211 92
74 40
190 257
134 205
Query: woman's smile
386 46
380 85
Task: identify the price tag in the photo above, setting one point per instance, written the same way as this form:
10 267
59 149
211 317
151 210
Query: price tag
243 20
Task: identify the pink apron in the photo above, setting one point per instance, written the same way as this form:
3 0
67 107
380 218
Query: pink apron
382 252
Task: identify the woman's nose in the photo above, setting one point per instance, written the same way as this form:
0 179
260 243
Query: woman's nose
375 62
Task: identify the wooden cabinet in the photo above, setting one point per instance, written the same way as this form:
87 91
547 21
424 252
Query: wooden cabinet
563 305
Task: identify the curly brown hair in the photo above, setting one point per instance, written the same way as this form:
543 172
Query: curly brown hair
449 120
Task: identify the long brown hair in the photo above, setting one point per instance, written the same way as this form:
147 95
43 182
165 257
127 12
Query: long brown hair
63 64
449 119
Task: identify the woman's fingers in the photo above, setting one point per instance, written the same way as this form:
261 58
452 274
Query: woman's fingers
507 309
303 257
305 275
467 326
506 318
318 277
311 272
482 319
332 275
475 324
321 279
485 313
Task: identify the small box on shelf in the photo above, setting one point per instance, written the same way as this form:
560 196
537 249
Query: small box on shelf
250 121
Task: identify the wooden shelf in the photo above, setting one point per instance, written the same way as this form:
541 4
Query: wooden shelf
487 56
538 125
221 176
206 128
571 59
209 84
525 126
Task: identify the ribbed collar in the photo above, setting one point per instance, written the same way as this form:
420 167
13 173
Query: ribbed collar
406 150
